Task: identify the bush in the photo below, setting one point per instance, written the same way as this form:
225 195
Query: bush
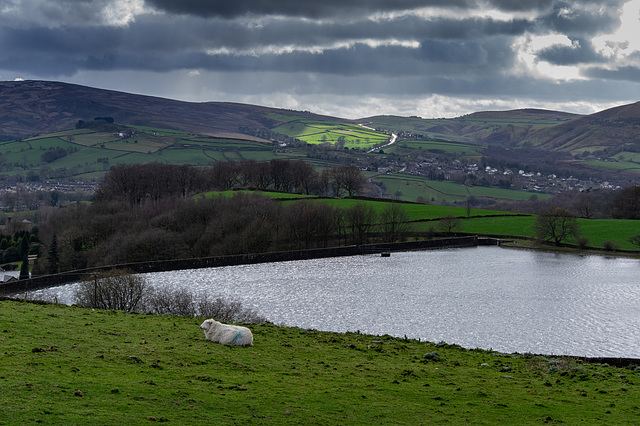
172 302
128 292
117 289
583 242
610 245
227 310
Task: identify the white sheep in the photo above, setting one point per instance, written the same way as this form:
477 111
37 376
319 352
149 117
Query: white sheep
227 334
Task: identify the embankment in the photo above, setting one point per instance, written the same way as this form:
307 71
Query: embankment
45 281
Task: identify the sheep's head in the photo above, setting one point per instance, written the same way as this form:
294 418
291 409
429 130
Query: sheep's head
206 324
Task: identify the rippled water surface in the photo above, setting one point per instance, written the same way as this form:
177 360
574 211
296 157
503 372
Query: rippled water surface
486 297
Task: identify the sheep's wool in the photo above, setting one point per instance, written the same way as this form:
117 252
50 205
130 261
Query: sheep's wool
227 334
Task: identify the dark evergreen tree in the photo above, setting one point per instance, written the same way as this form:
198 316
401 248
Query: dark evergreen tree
24 269
53 261
24 245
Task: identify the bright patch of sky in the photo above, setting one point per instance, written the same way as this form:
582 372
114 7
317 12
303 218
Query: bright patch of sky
626 39
529 46
123 12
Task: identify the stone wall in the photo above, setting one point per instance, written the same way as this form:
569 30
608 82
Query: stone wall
45 281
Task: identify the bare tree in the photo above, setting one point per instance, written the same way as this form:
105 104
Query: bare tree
304 176
394 221
347 178
360 220
450 223
556 225
281 175
224 174
626 205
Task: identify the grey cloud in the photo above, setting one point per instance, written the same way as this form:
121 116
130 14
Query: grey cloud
329 8
197 32
574 19
627 73
149 47
311 9
580 53
157 42
59 13
540 5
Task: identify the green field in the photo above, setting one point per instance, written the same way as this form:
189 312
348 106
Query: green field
410 188
317 132
91 153
426 147
633 157
67 365
626 166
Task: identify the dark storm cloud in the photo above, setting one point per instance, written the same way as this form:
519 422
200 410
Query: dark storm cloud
444 47
572 18
299 8
27 13
345 8
331 47
581 52
627 73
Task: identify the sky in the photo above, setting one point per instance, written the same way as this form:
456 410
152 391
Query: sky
346 58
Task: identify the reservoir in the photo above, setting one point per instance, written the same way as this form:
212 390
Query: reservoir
486 297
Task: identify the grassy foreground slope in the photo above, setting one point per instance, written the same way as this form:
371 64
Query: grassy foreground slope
66 365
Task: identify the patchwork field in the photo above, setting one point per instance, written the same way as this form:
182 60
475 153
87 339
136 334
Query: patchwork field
81 153
318 132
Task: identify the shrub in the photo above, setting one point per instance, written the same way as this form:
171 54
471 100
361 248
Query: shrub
124 291
173 302
583 242
610 245
116 289
227 310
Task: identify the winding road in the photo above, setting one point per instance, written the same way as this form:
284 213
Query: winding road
393 139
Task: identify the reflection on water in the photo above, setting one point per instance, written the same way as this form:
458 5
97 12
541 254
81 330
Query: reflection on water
486 297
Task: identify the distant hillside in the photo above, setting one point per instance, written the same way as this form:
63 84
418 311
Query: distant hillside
35 107
616 129
610 131
30 108
487 127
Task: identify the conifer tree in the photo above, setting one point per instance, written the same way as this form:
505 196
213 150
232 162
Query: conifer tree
24 269
53 261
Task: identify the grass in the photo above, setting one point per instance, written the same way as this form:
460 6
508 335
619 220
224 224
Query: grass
410 188
67 365
427 147
626 166
481 221
88 151
316 132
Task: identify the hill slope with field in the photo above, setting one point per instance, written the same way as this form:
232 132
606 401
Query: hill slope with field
28 108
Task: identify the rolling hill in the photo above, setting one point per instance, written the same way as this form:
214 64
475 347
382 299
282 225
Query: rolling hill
612 130
503 128
28 108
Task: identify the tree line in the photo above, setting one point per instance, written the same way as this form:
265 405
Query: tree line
139 183
112 232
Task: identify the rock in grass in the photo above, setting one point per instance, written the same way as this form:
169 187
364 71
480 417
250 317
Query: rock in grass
432 356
